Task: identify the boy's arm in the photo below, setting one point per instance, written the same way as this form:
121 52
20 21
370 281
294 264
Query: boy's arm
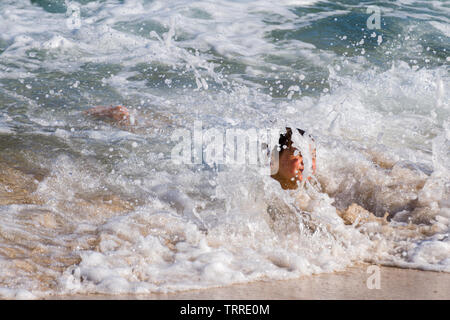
119 114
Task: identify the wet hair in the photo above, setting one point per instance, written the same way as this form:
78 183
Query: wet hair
286 138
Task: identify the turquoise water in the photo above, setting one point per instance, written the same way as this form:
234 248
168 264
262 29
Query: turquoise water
376 101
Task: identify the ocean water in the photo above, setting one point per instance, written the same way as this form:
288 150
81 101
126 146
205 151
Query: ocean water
89 206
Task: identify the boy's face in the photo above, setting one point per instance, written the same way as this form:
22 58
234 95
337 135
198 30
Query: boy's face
291 164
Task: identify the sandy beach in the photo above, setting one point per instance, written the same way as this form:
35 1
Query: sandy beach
395 284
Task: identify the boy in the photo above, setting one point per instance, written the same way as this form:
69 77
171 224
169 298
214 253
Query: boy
290 162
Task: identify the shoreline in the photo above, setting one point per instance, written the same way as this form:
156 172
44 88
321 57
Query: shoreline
351 284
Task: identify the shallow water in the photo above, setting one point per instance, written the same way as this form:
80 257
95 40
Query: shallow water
88 206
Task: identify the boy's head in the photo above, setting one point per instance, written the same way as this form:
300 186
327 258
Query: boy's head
290 161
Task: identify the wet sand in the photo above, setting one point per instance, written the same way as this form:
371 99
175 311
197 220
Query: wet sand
395 284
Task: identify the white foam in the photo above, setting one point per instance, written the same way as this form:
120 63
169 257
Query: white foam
16 294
